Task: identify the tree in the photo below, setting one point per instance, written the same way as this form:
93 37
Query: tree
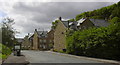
54 24
8 33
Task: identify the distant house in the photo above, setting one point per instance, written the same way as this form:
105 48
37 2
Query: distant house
31 40
42 40
26 43
86 23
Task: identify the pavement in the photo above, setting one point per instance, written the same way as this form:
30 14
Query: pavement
53 58
15 60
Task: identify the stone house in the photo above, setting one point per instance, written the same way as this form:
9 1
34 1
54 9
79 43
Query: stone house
26 43
31 40
86 23
64 26
60 34
42 40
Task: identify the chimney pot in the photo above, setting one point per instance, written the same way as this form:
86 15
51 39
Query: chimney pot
35 29
60 18
28 34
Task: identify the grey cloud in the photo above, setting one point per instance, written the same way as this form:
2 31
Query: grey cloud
42 14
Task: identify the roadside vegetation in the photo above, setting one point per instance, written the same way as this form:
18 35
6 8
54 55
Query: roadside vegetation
8 37
4 51
102 42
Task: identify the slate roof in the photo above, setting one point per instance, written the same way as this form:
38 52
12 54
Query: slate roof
100 22
30 35
96 22
42 33
65 23
80 21
70 23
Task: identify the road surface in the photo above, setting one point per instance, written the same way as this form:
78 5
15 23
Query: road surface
49 57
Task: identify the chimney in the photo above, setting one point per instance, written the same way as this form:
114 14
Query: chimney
35 29
28 34
60 18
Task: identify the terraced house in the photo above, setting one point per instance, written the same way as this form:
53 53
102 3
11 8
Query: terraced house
42 40
60 33
85 23
64 26
26 44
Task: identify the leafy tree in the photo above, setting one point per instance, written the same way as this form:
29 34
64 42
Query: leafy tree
100 42
8 33
54 24
103 42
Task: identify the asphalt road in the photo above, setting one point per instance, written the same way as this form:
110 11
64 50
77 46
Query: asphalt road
48 57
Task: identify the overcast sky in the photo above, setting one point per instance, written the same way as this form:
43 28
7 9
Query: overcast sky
30 15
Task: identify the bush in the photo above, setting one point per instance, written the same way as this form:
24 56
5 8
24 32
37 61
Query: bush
4 51
103 42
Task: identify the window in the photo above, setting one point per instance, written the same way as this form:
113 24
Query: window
40 45
44 41
46 36
44 47
62 33
40 40
50 40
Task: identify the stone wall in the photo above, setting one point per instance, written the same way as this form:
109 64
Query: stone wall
50 39
59 37
35 41
26 43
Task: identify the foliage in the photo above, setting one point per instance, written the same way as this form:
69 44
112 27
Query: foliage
54 24
8 33
104 13
100 42
4 51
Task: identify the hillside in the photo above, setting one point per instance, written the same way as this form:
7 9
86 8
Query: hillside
107 13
